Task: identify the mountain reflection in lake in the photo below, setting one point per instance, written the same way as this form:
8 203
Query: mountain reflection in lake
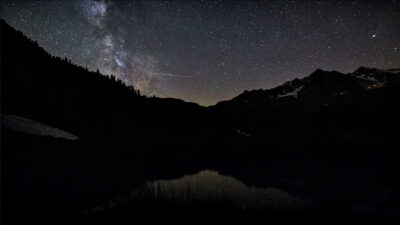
209 187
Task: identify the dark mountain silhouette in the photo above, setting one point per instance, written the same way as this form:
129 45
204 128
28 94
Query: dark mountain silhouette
309 98
52 90
330 137
320 87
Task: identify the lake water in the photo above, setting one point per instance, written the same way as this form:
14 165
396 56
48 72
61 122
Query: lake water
210 187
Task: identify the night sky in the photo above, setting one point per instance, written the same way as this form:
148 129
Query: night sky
208 51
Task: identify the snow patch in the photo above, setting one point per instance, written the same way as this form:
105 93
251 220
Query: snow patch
25 125
393 71
367 77
293 93
242 133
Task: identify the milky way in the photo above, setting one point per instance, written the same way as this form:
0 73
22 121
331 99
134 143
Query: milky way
111 51
207 51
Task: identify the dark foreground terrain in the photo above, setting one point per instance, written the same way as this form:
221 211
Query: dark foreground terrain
80 147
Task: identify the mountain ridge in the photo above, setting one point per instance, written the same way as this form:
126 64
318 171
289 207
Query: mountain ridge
56 92
362 78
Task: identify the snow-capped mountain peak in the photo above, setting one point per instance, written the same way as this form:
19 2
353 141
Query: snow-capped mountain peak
320 87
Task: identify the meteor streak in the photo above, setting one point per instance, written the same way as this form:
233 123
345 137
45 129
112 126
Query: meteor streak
170 75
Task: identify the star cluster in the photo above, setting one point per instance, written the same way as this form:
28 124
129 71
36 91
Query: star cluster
208 51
